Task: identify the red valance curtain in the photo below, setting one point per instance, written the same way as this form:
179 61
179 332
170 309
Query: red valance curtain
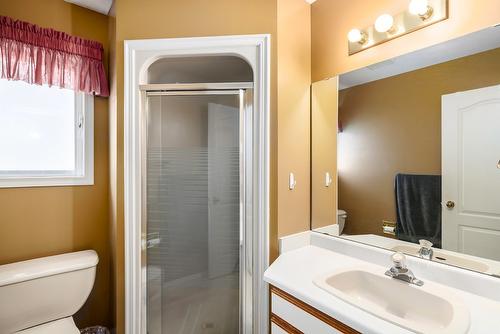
48 57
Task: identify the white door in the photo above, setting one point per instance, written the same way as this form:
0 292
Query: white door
223 190
471 172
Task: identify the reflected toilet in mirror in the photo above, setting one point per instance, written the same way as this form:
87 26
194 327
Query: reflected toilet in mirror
416 144
341 219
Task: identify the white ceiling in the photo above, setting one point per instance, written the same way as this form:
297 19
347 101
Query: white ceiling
100 6
467 45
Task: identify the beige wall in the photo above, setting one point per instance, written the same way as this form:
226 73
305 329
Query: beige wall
394 126
113 170
37 222
332 20
294 79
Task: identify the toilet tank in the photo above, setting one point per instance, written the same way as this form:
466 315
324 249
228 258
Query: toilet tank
46 289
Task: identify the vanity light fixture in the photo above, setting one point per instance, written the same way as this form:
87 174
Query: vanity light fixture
421 8
357 36
384 23
419 14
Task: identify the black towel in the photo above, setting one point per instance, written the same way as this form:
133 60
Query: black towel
418 208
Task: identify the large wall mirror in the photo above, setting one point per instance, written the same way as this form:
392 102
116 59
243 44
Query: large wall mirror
406 153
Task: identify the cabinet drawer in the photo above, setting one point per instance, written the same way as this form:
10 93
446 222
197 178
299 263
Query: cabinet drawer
291 315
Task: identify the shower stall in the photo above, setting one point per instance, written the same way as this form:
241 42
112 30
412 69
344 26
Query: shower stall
197 230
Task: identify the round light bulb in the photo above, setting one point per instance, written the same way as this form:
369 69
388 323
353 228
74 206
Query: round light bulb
384 23
354 36
418 7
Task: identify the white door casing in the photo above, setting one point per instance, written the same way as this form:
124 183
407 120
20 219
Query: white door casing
139 55
471 172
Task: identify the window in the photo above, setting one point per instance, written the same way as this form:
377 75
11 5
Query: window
46 136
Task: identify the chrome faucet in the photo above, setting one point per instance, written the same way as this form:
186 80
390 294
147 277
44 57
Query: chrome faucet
425 251
400 271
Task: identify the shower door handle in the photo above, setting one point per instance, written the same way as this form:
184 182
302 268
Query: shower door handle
153 239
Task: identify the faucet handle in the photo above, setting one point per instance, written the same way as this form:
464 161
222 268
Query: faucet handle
399 260
425 244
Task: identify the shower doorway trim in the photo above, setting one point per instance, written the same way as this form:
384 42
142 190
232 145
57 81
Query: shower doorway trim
139 55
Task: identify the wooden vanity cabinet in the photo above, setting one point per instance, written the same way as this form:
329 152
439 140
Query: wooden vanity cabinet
291 315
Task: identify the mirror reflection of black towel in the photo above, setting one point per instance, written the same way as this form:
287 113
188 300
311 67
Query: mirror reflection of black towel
418 208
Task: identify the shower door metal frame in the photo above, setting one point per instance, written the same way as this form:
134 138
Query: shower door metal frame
246 169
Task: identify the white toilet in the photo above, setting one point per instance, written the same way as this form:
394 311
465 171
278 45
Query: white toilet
41 296
341 217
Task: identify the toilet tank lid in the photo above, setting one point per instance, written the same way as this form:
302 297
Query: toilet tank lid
341 212
46 266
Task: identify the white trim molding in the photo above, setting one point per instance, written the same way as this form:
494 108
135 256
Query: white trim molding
139 55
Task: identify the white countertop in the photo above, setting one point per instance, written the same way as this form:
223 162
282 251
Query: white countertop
295 270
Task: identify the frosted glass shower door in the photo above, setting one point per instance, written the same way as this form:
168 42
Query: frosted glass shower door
193 213
223 190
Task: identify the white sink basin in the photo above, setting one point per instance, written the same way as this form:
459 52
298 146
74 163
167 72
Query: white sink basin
427 309
442 257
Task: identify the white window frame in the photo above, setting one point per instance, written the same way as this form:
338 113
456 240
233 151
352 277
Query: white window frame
84 155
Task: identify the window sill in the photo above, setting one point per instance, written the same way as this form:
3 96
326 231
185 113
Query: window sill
50 181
